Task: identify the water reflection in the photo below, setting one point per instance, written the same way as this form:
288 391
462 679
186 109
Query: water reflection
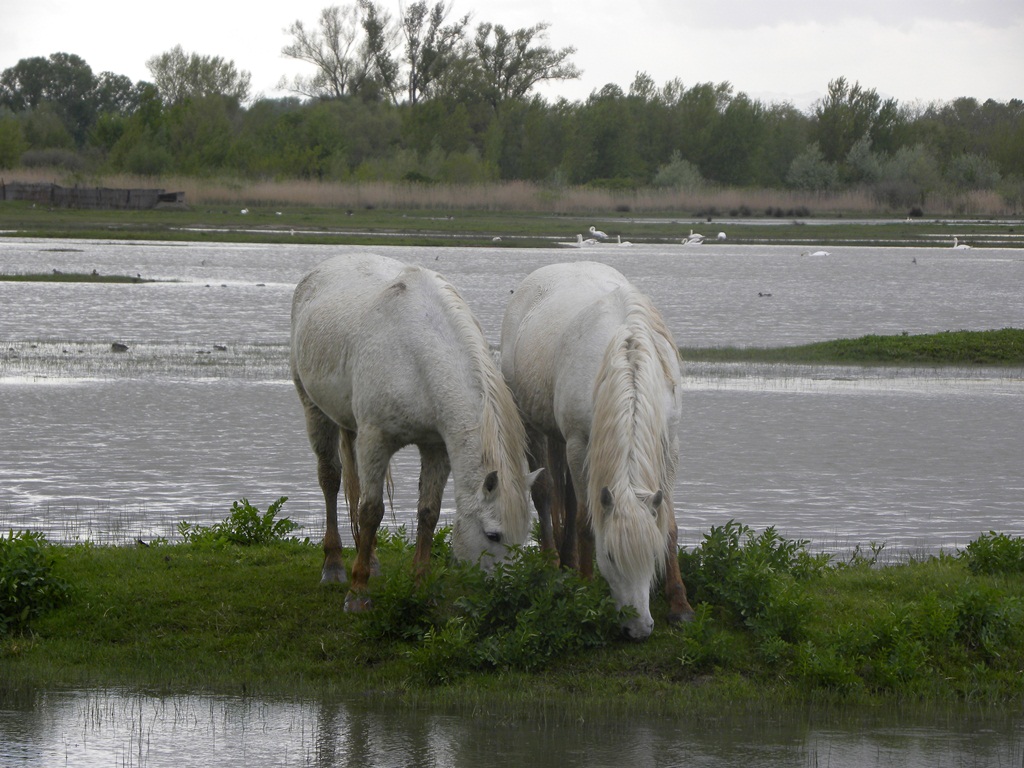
127 728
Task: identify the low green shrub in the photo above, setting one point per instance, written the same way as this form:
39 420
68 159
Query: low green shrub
994 553
28 586
246 526
521 616
753 578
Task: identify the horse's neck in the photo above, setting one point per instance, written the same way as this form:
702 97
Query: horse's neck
630 426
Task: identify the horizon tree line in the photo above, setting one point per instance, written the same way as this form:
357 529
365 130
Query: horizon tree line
422 98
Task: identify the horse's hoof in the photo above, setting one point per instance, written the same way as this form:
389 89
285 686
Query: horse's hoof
684 616
333 576
357 603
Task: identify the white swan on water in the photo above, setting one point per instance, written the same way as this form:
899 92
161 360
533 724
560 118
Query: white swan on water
721 235
816 253
580 242
620 241
957 245
694 238
598 233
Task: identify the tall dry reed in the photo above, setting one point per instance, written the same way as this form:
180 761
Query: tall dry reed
523 196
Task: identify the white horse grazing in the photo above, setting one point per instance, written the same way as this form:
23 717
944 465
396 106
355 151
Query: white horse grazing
596 374
385 355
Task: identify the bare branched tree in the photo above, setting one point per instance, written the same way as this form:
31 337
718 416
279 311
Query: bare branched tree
430 45
380 35
331 47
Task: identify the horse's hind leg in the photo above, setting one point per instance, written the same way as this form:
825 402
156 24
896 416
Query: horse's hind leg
434 469
373 454
324 434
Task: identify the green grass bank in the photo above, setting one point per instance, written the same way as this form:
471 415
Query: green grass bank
776 625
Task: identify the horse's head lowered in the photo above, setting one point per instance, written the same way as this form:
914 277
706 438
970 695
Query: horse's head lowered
491 517
631 552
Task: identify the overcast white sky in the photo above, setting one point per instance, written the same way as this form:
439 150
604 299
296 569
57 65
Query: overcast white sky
773 50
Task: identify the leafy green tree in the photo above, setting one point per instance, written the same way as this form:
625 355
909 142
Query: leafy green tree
534 139
810 171
62 80
862 164
116 94
437 123
735 142
971 171
179 76
142 145
678 173
908 177
849 112
694 115
784 136
44 128
200 133
605 143
12 141
24 86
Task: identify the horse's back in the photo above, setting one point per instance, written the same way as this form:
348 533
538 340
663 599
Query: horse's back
554 322
344 326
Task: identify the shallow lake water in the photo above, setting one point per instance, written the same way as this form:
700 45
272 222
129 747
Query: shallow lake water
93 728
199 412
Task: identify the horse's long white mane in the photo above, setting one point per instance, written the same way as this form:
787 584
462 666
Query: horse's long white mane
631 448
502 435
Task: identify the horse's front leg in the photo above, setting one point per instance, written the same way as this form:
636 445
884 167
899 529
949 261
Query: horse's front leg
577 533
434 469
373 457
542 490
679 609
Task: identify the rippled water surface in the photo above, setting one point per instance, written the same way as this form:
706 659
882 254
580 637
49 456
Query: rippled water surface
199 412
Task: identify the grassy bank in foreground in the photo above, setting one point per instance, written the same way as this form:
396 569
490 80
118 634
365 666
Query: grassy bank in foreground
775 624
964 348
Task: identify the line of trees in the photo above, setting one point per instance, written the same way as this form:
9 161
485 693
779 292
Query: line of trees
426 98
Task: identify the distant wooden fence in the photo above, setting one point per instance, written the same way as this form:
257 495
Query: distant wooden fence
56 196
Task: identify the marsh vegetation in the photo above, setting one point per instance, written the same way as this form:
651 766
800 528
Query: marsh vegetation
236 607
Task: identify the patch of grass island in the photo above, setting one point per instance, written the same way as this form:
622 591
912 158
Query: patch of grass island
237 608
56 276
1003 347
